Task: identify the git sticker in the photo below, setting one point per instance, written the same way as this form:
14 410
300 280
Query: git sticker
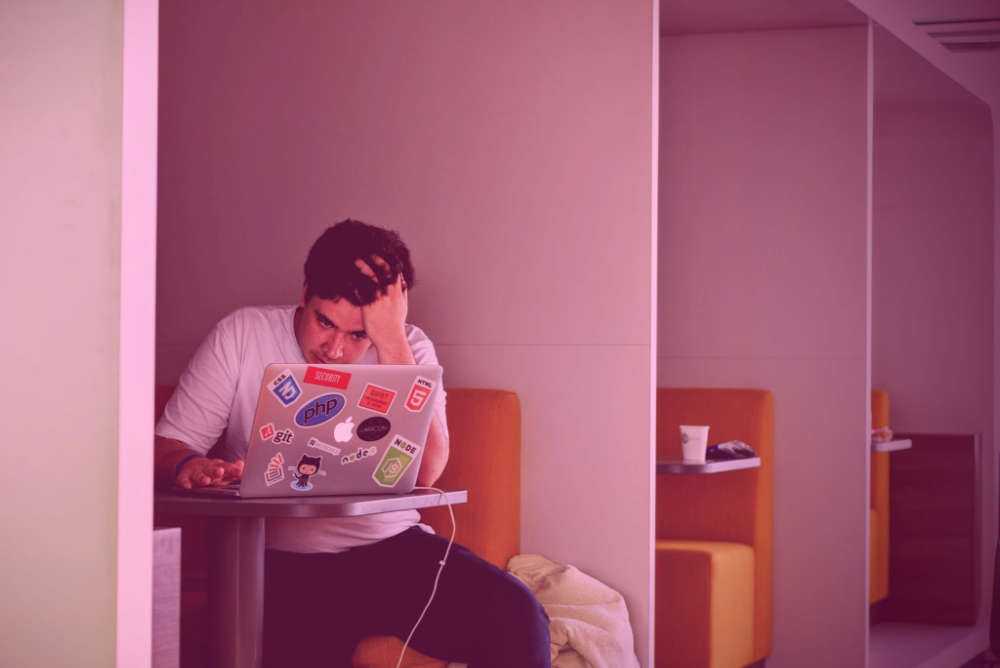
419 394
362 453
378 399
283 437
328 377
395 461
320 445
275 472
267 431
285 388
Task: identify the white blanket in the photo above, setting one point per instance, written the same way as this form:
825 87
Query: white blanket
588 621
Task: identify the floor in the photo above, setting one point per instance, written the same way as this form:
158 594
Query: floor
893 645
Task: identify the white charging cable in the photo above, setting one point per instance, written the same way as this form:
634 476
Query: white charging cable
444 559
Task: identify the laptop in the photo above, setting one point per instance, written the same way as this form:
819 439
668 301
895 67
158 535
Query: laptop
328 429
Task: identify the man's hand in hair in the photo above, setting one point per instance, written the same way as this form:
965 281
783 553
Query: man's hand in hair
385 318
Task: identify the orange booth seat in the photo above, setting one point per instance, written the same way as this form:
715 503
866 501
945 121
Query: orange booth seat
878 520
714 535
485 458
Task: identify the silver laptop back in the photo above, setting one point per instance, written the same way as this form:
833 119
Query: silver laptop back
339 429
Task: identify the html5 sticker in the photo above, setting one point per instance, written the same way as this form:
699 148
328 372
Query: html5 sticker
285 388
419 393
378 399
327 377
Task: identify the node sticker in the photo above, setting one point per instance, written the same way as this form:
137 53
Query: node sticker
378 399
339 380
320 445
285 388
419 394
319 410
267 431
373 428
275 472
395 461
362 453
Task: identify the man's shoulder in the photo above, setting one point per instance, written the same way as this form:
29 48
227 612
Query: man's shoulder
253 317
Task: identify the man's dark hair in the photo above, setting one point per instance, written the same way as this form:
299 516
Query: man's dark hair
330 272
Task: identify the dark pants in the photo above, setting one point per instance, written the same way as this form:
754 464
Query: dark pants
318 606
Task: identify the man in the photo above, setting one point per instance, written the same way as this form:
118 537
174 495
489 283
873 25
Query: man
331 582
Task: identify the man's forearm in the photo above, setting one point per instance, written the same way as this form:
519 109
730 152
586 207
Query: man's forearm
167 452
435 455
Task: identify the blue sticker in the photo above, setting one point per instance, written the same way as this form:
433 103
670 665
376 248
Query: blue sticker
285 388
319 410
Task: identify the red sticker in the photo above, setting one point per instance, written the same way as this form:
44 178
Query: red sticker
419 394
377 399
267 431
327 377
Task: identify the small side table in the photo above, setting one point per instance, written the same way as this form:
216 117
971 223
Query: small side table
681 467
892 446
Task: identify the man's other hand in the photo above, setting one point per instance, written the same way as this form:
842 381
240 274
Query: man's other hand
204 472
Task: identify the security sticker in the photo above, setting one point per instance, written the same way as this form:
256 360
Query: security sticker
378 399
373 428
321 409
285 388
338 380
396 459
362 453
266 431
307 467
419 394
283 437
320 445
275 472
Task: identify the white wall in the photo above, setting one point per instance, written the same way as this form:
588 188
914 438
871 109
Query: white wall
763 283
511 145
60 138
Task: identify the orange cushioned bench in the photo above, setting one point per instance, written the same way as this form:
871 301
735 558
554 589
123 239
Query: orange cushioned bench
714 535
485 458
878 521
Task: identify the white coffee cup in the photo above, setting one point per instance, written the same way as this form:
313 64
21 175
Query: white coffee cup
694 443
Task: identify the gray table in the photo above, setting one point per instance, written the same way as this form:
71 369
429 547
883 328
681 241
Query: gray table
236 554
672 466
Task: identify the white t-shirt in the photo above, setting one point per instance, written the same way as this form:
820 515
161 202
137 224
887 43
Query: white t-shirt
217 396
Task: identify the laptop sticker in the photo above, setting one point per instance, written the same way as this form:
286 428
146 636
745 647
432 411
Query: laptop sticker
419 394
396 459
344 431
285 388
275 472
321 409
283 437
307 467
266 431
362 453
373 428
378 399
320 445
338 380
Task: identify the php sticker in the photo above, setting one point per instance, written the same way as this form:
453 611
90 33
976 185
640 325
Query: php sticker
339 380
266 432
362 453
373 428
283 437
275 472
285 388
320 445
378 399
419 394
319 410
395 461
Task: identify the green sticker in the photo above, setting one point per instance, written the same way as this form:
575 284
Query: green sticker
395 461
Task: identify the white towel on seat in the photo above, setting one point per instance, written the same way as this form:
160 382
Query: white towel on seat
588 620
